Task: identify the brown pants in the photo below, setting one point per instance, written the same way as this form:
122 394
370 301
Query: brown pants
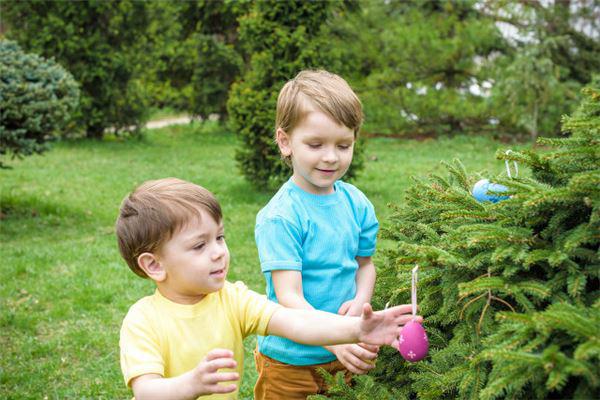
277 380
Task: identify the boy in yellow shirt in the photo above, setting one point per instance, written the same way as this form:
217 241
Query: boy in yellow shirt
185 340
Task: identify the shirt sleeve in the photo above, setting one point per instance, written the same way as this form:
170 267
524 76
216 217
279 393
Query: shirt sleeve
140 348
254 310
279 244
369 226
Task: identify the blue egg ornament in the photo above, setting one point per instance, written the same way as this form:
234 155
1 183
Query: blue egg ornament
482 187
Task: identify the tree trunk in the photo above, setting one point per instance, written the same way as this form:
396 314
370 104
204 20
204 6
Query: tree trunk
534 129
94 132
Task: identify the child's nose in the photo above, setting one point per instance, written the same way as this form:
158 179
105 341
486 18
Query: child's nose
219 251
330 155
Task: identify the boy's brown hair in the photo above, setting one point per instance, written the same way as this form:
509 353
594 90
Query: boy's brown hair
154 211
326 91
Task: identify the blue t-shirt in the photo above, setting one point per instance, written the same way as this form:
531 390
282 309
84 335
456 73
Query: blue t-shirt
320 236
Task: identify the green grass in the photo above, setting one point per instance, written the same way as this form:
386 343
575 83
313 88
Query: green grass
63 287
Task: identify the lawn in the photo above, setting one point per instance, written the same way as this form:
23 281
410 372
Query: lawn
64 289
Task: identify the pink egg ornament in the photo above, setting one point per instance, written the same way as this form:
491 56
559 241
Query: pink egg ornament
413 343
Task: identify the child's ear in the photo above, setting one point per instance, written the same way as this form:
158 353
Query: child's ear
283 141
152 267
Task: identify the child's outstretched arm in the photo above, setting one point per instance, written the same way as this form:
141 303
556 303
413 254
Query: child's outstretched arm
202 380
315 327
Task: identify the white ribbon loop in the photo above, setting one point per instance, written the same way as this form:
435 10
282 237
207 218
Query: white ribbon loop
508 166
413 294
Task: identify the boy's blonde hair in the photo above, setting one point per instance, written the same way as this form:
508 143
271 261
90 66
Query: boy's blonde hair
154 211
328 92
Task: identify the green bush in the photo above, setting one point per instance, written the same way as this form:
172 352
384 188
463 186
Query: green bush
551 56
191 57
97 42
531 91
219 64
509 291
414 63
37 97
281 39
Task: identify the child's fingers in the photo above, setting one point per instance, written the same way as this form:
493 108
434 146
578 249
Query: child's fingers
222 388
401 309
364 354
214 365
345 307
218 353
369 347
367 311
405 319
356 365
222 377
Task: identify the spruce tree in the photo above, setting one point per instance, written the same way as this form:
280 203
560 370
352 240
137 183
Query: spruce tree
37 98
509 291
414 62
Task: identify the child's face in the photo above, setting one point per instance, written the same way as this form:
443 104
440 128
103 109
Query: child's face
196 260
321 152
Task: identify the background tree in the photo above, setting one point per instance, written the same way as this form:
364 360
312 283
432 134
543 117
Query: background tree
553 51
421 67
509 291
191 56
279 39
528 94
577 23
95 41
37 97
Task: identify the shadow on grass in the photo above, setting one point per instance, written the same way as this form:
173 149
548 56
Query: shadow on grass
29 217
200 133
34 207
109 142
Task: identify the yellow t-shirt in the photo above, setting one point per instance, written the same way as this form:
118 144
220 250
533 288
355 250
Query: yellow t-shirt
161 337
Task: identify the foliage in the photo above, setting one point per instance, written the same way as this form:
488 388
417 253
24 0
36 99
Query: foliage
491 66
553 52
219 65
191 56
37 97
529 94
280 39
416 63
363 388
509 291
95 41
572 26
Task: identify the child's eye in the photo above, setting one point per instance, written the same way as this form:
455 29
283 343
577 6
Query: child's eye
314 145
221 238
199 246
344 146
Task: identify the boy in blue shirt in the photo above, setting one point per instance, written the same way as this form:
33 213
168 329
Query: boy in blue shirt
316 236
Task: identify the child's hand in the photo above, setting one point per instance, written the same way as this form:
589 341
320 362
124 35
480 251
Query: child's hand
206 376
202 380
357 358
351 307
382 327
